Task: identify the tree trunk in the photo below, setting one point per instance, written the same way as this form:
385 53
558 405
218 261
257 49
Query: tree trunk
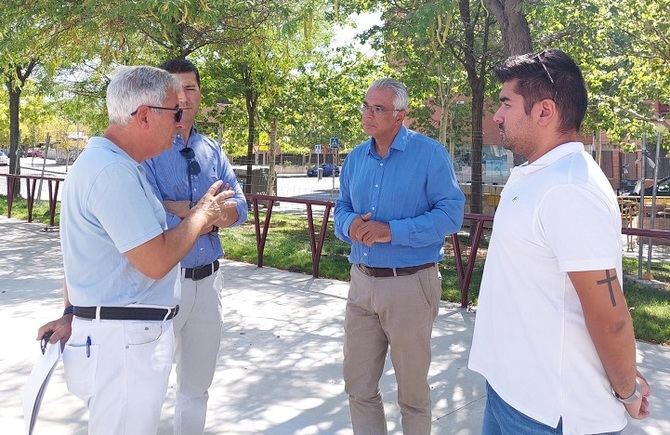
513 25
515 34
476 72
272 176
251 98
14 131
14 82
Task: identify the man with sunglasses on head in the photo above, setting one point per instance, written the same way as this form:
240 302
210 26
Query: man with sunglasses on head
180 177
121 261
398 201
553 335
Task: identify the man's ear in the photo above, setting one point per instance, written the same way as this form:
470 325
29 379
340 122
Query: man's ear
546 112
142 117
400 117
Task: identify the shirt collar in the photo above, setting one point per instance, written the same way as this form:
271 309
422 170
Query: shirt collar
178 141
103 142
550 157
399 141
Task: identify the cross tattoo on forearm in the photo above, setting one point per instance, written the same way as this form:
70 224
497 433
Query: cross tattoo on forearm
608 280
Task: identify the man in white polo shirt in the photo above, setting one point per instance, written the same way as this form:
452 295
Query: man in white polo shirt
121 261
553 335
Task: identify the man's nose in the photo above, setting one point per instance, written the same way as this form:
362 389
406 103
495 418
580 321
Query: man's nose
181 96
497 118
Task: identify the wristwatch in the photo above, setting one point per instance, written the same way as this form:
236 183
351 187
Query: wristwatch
633 397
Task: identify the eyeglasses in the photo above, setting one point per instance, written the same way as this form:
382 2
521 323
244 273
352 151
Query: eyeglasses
178 111
538 56
192 168
44 341
376 110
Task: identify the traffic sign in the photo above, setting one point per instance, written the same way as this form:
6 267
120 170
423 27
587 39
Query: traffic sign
317 148
334 142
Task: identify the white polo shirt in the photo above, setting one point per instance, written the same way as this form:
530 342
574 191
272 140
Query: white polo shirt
109 208
556 215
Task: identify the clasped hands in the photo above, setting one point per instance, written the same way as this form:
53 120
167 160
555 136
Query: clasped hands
367 231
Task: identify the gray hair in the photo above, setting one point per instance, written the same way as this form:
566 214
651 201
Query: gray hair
135 86
400 91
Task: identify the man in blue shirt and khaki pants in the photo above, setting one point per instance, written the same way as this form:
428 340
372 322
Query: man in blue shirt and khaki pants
179 177
398 201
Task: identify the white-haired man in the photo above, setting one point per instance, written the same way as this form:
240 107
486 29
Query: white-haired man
398 200
121 262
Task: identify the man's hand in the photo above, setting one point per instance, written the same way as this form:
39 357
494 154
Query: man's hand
640 409
177 208
212 205
61 330
354 228
372 232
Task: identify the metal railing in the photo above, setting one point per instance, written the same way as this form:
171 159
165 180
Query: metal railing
53 186
464 272
316 244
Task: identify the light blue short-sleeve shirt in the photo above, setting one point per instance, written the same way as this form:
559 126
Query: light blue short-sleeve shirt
109 208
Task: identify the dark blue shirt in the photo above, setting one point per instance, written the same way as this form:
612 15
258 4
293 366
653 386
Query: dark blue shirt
413 189
167 174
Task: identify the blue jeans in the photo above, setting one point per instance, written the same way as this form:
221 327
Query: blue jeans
501 419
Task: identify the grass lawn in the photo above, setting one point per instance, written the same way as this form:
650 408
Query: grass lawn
20 210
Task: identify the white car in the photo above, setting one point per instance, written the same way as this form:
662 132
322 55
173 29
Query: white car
4 160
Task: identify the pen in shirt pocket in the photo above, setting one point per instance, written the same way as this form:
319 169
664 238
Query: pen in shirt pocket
88 346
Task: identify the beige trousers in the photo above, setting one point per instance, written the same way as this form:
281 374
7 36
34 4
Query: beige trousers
396 312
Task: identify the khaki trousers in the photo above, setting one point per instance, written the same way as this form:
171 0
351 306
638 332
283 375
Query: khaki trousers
396 312
198 337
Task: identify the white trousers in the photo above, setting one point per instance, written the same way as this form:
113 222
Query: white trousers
122 375
198 336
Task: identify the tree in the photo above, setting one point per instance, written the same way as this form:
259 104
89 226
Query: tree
462 29
513 26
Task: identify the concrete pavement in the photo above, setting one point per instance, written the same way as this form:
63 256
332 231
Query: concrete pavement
279 371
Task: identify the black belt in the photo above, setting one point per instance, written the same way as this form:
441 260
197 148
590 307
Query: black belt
126 313
386 272
198 273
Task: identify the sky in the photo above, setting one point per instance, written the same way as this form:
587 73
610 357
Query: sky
346 35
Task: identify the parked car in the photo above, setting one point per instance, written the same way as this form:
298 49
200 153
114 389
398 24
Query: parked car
4 160
662 188
328 170
33 152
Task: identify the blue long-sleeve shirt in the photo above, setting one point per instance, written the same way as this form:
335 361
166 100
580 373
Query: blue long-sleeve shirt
413 189
167 174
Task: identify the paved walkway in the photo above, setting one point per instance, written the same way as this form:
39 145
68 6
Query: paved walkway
279 371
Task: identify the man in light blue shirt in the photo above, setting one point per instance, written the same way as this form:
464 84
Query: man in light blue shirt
181 176
120 259
398 201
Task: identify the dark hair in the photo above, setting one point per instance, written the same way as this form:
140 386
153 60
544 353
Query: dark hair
176 66
549 74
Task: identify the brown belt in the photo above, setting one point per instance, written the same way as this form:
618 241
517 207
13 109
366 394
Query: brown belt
385 272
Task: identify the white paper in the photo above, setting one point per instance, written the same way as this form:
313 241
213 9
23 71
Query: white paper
35 387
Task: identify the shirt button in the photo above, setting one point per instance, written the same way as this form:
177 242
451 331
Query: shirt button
373 208
365 254
376 185
381 164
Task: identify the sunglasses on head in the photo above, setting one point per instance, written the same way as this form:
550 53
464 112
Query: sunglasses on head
538 57
178 111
